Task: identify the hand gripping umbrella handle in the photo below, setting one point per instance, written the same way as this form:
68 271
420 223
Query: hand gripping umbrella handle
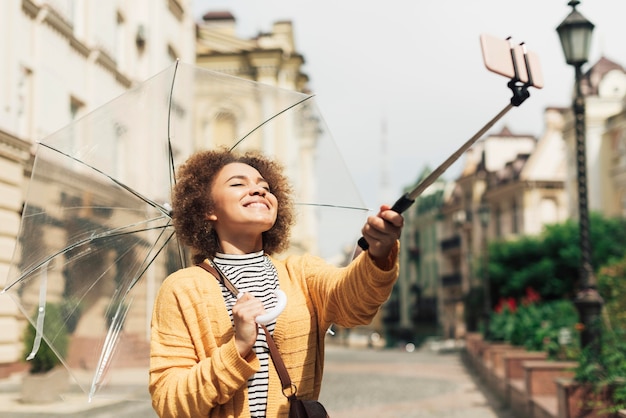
273 313
268 316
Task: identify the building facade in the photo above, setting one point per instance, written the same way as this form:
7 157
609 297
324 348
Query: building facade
412 311
604 88
510 185
76 56
61 60
270 58
522 185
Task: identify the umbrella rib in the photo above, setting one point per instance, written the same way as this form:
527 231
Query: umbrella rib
328 205
122 185
269 119
146 263
169 122
110 343
78 244
111 339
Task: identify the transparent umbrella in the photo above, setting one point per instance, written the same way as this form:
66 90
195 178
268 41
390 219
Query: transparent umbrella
96 237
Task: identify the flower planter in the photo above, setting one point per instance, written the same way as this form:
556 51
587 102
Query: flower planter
578 400
514 375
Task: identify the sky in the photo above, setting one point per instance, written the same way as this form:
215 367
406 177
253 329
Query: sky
402 84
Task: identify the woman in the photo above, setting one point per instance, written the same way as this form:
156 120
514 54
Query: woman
208 355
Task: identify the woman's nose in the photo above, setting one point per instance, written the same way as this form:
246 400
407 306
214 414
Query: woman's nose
259 191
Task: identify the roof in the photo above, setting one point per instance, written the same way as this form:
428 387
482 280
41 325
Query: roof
592 78
218 15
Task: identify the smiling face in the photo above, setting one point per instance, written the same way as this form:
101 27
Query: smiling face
244 206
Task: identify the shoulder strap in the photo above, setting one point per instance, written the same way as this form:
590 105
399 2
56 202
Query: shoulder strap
279 364
221 277
281 369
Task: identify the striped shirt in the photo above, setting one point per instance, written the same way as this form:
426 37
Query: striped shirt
255 274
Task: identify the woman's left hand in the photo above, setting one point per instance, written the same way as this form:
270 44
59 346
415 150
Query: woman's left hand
381 233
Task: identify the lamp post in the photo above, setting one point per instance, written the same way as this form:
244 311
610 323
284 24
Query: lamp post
575 35
483 214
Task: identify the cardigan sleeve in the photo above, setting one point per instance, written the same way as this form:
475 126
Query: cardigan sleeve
352 295
193 369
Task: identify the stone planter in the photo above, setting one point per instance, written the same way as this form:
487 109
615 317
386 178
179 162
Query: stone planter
45 387
578 400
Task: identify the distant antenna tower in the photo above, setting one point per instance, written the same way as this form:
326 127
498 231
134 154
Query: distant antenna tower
385 184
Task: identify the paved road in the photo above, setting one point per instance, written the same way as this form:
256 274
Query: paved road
393 384
358 383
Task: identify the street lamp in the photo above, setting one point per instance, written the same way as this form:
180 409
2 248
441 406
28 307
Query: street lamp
575 34
483 214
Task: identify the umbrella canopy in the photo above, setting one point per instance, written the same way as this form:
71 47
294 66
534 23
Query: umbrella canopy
96 238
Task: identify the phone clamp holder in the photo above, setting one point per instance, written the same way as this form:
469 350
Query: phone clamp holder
519 88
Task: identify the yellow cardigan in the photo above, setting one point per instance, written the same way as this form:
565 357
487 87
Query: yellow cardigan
195 369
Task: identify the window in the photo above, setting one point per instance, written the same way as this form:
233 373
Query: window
514 217
120 41
172 54
25 103
77 109
223 131
548 211
498 221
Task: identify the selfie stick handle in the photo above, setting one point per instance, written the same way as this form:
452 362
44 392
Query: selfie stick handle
409 198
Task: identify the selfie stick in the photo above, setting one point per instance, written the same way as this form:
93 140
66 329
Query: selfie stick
520 93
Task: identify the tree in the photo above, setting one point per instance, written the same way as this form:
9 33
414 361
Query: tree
549 263
46 359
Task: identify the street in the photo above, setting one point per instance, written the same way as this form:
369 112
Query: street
358 383
396 383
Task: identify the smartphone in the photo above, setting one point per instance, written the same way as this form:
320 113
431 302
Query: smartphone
498 58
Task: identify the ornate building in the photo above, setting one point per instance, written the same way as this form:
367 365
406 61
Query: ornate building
517 181
412 309
604 89
65 59
270 58
521 184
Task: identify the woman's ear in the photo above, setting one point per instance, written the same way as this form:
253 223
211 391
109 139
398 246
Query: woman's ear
212 217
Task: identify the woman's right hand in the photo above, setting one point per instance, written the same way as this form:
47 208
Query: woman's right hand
245 311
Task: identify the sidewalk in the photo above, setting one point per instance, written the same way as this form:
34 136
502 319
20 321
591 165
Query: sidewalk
425 382
75 404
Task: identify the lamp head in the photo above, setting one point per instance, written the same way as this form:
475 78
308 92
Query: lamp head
575 35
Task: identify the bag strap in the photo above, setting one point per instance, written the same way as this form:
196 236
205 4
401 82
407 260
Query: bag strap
277 359
221 277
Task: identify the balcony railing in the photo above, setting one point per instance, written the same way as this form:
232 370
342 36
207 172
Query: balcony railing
451 243
453 279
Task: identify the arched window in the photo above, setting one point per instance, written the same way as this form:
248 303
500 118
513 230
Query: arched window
514 217
224 129
548 211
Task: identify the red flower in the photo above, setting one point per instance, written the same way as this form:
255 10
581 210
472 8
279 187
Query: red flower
532 295
512 304
506 303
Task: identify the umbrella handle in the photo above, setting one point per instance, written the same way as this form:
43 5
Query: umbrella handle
273 313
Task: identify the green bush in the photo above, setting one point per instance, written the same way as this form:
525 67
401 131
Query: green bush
550 262
537 326
608 367
45 359
502 322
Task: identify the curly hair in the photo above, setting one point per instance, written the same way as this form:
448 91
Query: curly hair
192 201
